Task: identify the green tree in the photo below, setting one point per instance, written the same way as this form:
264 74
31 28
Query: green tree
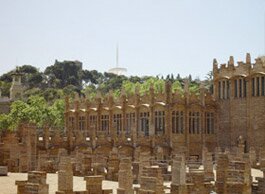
65 73
176 86
17 113
36 110
209 81
56 113
4 122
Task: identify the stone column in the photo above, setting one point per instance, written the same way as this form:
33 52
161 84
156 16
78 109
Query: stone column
151 109
179 170
178 185
94 184
207 162
31 147
144 162
46 137
152 181
221 172
65 175
36 184
125 178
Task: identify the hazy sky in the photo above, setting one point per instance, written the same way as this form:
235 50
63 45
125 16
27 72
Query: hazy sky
155 36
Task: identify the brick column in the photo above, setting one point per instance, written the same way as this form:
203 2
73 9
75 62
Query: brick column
94 184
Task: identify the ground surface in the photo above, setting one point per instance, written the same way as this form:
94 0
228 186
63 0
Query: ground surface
7 183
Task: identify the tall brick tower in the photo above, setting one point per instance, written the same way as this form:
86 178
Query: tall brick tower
16 88
240 93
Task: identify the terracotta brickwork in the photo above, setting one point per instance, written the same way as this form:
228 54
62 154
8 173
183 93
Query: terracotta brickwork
161 124
135 139
240 94
36 184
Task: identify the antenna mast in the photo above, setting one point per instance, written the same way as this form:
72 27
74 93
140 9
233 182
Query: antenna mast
117 70
117 55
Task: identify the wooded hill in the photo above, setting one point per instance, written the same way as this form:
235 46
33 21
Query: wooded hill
42 101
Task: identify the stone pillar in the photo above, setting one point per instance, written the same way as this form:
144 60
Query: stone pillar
113 166
65 175
261 181
112 129
36 184
125 179
46 137
87 165
152 181
207 162
137 114
151 109
144 162
178 185
98 101
252 156
178 170
221 172
3 170
21 187
94 184
31 143
77 109
168 100
240 147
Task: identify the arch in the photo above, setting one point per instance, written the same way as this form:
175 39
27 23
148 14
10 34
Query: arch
103 150
126 151
238 76
222 78
144 107
162 152
145 148
253 74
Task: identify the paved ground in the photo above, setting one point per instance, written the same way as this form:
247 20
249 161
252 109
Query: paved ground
7 184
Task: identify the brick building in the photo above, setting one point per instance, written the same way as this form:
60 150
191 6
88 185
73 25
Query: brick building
160 124
240 94
168 123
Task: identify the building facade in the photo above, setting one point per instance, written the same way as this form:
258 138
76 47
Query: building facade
240 94
162 123
171 122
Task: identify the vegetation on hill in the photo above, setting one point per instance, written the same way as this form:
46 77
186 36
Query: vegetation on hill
42 101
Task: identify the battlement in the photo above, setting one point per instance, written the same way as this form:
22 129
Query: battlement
242 68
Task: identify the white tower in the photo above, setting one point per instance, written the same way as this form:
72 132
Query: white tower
117 70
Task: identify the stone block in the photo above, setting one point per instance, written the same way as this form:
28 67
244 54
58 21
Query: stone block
3 170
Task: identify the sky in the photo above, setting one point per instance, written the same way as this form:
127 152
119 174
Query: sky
155 37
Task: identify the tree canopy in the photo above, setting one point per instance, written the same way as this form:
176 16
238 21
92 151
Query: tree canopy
35 110
42 101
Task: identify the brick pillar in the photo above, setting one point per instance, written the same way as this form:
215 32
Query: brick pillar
207 161
36 184
221 172
144 162
21 187
152 181
65 175
46 137
125 178
179 170
94 184
151 109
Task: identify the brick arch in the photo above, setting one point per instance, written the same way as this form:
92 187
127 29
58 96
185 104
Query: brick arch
126 151
145 148
164 150
103 150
